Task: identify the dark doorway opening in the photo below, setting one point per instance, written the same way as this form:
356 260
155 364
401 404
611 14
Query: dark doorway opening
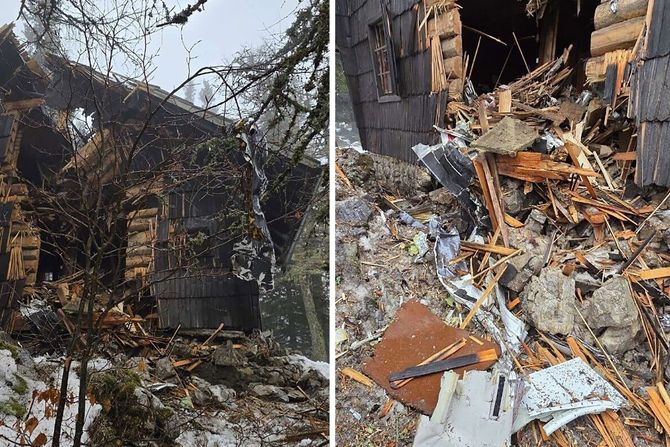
497 63
562 23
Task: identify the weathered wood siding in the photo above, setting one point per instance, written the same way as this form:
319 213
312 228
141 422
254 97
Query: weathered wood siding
651 102
389 128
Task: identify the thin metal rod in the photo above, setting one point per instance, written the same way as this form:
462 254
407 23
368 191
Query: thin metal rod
472 66
519 47
474 30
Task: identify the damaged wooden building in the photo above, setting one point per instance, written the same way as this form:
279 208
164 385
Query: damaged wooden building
410 64
197 250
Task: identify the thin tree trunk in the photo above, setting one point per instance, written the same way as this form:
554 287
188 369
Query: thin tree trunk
319 350
62 399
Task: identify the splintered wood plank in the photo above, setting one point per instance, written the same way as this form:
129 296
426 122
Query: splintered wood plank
357 376
576 156
663 272
497 249
625 156
535 168
491 176
481 176
504 100
483 118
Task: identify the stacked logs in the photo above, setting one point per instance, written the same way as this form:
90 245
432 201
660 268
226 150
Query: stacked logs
141 236
443 27
616 33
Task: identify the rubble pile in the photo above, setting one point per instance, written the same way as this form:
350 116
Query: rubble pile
536 239
214 389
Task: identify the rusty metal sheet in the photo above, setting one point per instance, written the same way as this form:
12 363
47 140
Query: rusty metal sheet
415 335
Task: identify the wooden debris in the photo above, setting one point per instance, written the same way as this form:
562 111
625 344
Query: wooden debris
535 167
357 376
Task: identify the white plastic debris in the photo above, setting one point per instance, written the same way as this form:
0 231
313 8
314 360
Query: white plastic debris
564 392
476 411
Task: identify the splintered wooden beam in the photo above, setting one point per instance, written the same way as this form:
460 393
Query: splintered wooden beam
536 168
578 159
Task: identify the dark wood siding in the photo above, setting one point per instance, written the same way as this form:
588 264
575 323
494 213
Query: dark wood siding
207 301
651 102
389 128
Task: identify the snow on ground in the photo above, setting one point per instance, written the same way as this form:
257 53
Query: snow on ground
39 398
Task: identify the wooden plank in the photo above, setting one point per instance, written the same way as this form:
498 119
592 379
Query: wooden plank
661 272
626 9
479 169
625 156
618 36
22 104
496 198
497 249
504 100
536 167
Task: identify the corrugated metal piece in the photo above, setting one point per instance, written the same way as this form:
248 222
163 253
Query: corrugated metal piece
415 335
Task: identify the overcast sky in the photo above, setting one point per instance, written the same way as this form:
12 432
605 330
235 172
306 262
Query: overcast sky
222 29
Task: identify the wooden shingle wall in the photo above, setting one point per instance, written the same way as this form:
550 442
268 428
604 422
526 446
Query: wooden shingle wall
390 128
651 101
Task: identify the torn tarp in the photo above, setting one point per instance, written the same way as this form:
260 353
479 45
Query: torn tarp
454 171
476 411
253 257
564 392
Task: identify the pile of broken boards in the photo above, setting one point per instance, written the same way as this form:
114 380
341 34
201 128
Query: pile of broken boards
562 264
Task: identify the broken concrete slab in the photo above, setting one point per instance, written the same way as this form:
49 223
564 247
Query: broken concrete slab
507 137
529 262
612 313
415 335
549 301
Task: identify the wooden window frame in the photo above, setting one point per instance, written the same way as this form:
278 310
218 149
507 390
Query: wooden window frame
383 60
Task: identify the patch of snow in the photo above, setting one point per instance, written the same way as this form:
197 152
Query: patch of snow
322 368
43 407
